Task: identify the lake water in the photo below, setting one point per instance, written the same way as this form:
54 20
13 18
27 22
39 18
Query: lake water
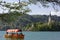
37 35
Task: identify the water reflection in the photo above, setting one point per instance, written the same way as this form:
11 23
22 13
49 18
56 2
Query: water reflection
13 39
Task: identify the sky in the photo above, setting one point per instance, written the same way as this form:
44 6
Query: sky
39 10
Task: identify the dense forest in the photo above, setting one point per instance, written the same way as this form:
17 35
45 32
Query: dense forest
25 22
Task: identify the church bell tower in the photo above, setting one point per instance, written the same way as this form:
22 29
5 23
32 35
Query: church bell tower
49 19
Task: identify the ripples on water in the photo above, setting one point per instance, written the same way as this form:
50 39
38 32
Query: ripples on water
36 36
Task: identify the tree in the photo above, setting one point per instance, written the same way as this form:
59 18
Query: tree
14 11
19 7
45 3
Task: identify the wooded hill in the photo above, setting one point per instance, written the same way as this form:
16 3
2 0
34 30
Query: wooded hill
17 20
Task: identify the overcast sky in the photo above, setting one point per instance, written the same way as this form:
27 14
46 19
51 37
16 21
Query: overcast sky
39 10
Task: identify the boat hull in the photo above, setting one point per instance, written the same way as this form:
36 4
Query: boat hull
14 36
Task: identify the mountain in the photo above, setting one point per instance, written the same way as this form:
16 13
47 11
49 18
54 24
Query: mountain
25 19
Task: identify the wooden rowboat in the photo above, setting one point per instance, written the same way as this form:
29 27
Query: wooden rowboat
14 33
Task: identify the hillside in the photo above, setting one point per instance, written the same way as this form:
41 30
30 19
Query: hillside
23 20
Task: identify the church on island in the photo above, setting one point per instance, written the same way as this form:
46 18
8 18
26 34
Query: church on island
50 19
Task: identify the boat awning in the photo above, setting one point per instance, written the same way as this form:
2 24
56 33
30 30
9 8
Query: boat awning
13 30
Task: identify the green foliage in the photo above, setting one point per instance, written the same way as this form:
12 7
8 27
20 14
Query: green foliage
21 7
11 17
54 26
18 10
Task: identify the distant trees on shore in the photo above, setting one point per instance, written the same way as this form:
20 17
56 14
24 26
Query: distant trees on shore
45 27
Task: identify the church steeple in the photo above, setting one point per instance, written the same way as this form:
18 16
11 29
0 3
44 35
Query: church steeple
49 19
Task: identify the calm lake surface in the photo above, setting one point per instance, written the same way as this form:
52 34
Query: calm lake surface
37 35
